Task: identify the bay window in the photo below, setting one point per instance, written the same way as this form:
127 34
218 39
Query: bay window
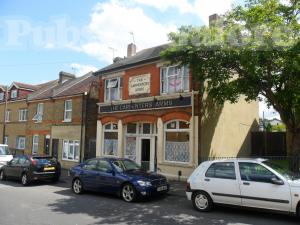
174 79
70 150
177 139
110 145
113 89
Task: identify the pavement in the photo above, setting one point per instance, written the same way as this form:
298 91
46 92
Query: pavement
55 204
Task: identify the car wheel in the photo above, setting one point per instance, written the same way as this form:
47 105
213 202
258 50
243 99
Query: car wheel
25 179
2 176
202 201
77 186
128 193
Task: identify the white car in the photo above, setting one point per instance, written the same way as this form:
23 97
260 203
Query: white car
5 155
254 183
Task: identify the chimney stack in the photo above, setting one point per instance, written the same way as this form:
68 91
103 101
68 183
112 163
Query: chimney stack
131 50
213 19
63 77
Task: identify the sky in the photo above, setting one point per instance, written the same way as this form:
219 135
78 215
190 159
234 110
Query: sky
38 39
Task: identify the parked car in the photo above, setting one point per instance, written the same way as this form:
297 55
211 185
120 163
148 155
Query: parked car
5 155
28 168
254 183
117 176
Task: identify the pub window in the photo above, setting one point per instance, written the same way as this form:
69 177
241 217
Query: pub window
113 89
110 134
174 79
177 139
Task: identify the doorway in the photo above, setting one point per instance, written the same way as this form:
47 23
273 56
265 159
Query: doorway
55 143
145 153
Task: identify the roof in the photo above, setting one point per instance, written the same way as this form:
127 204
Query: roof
24 86
144 56
3 88
55 89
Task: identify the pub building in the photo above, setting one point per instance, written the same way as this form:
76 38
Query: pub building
149 112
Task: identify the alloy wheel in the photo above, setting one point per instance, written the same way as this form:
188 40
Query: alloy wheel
24 179
201 201
2 177
77 186
128 193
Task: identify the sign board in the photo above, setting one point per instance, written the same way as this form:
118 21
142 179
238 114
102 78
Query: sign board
139 84
148 105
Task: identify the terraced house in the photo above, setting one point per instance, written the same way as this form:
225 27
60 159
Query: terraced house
149 111
62 119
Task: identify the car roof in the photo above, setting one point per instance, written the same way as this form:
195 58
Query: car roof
110 158
257 160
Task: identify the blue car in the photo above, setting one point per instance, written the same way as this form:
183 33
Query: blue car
117 176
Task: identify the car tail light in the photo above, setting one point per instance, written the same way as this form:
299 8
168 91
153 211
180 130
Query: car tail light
188 186
34 162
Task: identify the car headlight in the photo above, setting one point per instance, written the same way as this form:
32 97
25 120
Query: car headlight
143 183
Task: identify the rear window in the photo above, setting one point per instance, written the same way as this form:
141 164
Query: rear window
44 160
222 171
4 150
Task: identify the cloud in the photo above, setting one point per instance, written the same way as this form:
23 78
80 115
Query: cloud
201 8
110 26
81 69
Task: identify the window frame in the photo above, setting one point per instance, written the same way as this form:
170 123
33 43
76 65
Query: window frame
110 130
23 115
5 140
35 145
14 94
176 130
38 118
107 91
66 111
2 96
74 144
7 115
167 77
225 178
18 146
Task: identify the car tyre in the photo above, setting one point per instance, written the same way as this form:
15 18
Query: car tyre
202 201
128 193
2 176
25 179
77 186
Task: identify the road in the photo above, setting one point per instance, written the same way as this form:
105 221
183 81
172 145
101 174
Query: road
55 204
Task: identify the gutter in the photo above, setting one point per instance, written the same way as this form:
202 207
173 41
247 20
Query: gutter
4 121
83 119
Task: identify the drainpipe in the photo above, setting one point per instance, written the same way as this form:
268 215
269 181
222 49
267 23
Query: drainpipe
83 120
5 108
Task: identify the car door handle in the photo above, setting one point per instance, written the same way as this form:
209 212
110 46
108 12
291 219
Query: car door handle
207 180
246 183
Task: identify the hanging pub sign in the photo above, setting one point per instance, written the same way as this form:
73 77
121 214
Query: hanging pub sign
147 105
139 84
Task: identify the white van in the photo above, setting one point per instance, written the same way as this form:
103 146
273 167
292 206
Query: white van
5 155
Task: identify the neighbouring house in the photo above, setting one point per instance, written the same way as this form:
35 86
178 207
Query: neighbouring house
149 111
62 119
14 115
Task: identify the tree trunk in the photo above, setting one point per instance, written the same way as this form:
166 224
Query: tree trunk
293 150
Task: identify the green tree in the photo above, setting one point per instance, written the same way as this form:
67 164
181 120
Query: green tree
252 51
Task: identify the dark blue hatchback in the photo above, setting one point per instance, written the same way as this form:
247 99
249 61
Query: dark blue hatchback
117 176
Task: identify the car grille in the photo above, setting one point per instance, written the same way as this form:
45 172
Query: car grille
159 182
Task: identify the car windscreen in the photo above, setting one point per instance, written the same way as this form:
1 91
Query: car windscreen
279 169
4 150
44 160
125 165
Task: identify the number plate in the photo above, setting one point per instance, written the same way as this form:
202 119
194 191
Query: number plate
49 168
162 188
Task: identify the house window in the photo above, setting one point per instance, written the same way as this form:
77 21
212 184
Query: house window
23 113
113 89
68 111
110 145
174 79
70 150
177 139
6 140
39 113
14 93
21 142
35 144
1 96
7 115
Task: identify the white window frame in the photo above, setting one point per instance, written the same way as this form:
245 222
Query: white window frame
167 76
107 91
14 94
69 156
111 130
38 118
7 115
23 115
68 111
1 96
21 142
5 140
35 144
176 130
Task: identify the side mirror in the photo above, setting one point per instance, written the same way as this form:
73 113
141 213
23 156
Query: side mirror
277 181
